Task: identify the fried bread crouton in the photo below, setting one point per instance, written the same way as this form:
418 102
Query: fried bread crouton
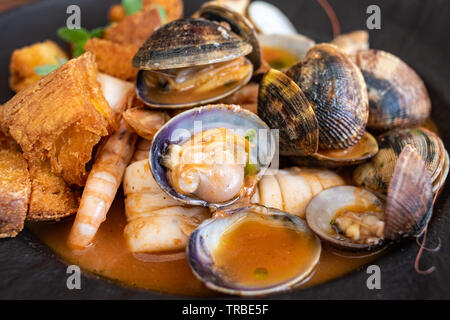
60 118
113 58
134 29
15 188
51 198
25 60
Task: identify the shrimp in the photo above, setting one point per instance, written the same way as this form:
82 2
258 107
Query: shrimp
142 150
156 222
292 189
101 186
106 174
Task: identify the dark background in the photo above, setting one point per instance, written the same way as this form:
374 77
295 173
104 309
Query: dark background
415 30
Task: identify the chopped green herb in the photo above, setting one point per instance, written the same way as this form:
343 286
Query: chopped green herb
416 132
132 6
251 169
332 222
162 12
250 135
79 37
48 68
260 273
382 165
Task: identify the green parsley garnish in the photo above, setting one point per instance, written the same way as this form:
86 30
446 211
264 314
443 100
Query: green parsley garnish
132 6
332 222
260 273
162 12
251 169
79 37
48 68
250 135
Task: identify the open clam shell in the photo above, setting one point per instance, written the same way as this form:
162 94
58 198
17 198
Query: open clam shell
185 125
205 240
364 149
282 105
397 95
377 173
352 42
407 210
324 208
238 24
335 87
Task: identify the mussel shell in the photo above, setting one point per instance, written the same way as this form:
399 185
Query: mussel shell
189 42
397 95
410 197
282 105
238 24
206 238
324 206
364 149
335 87
376 174
211 116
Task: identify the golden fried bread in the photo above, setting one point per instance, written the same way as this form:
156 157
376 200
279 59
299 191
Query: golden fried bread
15 188
51 198
25 60
113 58
61 118
135 29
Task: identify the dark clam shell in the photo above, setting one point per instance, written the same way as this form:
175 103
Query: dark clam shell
364 149
397 95
238 24
282 105
187 43
335 87
376 174
410 197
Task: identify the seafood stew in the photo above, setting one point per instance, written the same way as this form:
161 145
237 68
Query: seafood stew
149 209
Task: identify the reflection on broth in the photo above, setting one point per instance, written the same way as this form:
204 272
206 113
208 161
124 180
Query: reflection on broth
279 59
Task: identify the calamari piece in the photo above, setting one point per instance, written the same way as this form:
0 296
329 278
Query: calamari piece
292 189
112 58
15 188
25 60
61 118
135 29
156 222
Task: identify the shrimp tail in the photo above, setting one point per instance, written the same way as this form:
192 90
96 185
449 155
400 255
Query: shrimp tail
102 185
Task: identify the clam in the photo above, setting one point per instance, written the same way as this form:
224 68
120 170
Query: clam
211 156
282 105
352 42
189 62
376 174
364 149
217 257
397 95
353 218
268 19
238 24
337 92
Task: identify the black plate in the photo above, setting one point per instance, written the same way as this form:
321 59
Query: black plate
415 30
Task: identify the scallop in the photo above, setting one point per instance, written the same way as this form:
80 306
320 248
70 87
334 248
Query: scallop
189 62
397 95
205 241
211 156
353 218
283 106
376 174
337 92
